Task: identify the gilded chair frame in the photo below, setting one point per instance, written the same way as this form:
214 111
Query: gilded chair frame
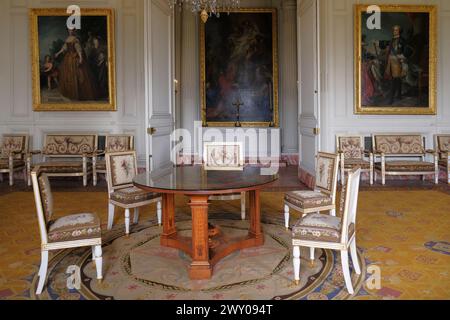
346 243
100 153
46 246
127 206
15 156
444 155
422 155
331 193
82 157
239 166
366 155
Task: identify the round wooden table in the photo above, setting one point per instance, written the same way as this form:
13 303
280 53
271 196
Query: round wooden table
198 184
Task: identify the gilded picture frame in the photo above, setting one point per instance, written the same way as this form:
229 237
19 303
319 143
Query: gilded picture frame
73 70
395 66
257 109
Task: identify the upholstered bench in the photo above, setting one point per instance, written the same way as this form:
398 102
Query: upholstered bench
67 155
442 146
403 154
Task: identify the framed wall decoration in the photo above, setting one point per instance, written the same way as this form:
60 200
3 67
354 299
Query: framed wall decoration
73 70
239 69
395 65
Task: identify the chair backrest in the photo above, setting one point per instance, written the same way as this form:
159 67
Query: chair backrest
399 144
350 204
44 201
121 168
442 144
119 143
351 146
223 156
14 143
327 165
69 145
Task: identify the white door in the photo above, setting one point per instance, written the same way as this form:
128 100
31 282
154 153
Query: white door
309 90
159 75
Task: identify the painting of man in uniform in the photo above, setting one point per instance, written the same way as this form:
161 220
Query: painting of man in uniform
395 66
239 68
73 62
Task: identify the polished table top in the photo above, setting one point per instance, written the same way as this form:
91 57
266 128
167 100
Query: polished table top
196 179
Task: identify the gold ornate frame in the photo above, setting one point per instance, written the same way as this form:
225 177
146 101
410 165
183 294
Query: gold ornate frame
34 44
275 122
392 110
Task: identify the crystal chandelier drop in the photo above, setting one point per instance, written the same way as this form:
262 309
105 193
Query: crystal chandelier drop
206 8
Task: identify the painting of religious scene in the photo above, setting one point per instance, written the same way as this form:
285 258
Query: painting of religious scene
239 71
73 69
396 61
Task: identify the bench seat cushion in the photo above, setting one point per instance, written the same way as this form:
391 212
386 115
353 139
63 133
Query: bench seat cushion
407 166
319 227
63 167
353 163
308 199
4 164
133 195
74 227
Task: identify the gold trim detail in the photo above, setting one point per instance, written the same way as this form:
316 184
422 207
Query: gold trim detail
389 110
276 122
34 14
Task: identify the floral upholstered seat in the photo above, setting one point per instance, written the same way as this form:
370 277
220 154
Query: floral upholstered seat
133 195
442 146
72 231
353 163
323 197
74 227
67 155
320 227
121 168
308 199
113 143
13 150
403 154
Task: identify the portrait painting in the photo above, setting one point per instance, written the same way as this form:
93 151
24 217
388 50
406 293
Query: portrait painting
73 69
239 69
395 61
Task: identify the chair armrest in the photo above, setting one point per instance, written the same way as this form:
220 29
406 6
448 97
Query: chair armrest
95 153
434 152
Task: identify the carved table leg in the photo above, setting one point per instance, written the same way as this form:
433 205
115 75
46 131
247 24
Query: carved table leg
255 218
169 229
200 267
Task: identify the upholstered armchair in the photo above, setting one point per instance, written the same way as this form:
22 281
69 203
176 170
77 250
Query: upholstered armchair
13 153
66 155
328 232
323 197
113 143
121 168
225 156
353 155
442 146
72 231
409 153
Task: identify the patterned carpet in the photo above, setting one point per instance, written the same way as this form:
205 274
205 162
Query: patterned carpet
405 233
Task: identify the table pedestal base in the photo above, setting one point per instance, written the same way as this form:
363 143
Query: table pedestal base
203 256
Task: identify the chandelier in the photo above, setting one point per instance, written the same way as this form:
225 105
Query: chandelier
207 8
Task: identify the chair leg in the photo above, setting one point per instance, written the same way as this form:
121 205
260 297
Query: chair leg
159 212
136 215
111 209
312 256
127 221
93 254
346 271
297 264
371 177
42 272
286 216
243 205
11 178
354 254
99 262
94 179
